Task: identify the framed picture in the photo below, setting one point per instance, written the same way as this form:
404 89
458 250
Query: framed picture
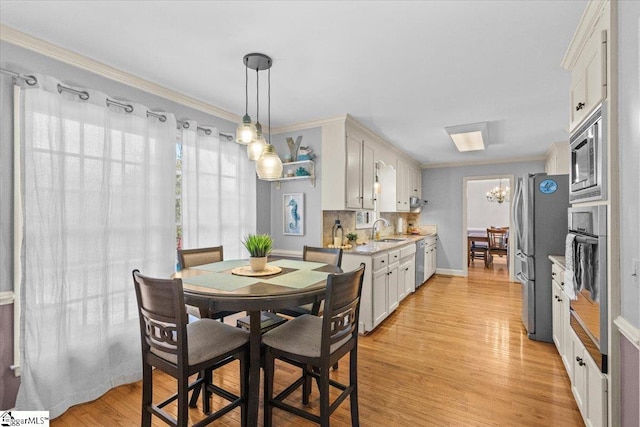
293 214
364 219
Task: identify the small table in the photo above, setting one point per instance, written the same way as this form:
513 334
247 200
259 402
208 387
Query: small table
299 282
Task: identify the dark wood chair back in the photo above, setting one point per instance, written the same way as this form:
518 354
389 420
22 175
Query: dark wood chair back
341 309
200 256
163 317
497 239
327 255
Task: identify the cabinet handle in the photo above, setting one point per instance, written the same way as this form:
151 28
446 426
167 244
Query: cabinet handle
580 106
382 261
553 273
580 361
603 37
556 297
559 299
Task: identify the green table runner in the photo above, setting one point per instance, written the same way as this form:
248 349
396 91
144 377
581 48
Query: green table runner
223 282
298 265
298 279
223 265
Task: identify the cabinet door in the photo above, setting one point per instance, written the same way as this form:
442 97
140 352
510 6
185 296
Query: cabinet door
379 296
417 183
566 332
402 281
433 259
353 188
556 316
392 287
368 177
593 69
596 393
402 192
579 380
578 95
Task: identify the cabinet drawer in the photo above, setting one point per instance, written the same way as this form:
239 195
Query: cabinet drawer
394 257
380 261
557 274
407 251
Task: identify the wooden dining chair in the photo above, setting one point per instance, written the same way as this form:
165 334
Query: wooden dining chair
181 349
314 344
498 243
310 253
199 306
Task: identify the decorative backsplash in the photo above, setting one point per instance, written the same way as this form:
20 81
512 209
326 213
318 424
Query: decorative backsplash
348 222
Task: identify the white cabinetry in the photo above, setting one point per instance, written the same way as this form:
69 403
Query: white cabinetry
383 283
560 313
416 183
430 256
587 61
589 385
557 160
403 184
407 271
360 175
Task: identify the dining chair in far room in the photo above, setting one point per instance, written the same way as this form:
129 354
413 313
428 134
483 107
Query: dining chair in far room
314 344
498 243
181 349
311 253
478 250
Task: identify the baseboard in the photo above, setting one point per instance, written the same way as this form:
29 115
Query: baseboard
283 252
449 272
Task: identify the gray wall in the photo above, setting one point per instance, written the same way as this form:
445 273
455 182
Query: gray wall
311 138
443 188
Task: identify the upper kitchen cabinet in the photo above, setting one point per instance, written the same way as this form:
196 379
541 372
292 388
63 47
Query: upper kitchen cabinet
586 59
557 159
348 166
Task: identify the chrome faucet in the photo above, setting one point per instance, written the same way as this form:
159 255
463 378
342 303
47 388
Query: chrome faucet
373 228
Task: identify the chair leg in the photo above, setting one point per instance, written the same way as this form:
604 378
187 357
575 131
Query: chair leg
306 387
206 393
335 367
193 403
353 381
183 400
147 394
244 386
268 387
323 385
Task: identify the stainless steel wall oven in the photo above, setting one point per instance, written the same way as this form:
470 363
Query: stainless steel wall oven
588 226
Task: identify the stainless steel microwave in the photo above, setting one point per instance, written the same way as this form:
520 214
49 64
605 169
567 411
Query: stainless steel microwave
589 158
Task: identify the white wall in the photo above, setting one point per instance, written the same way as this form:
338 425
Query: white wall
629 145
482 213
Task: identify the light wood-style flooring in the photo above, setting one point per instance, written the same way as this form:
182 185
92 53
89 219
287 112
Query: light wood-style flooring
454 354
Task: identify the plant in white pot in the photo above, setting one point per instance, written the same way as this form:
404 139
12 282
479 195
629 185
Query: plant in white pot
259 246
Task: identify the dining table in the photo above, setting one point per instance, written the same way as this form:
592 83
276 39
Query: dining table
230 285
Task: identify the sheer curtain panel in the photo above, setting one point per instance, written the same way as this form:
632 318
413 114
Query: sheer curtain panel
98 201
218 192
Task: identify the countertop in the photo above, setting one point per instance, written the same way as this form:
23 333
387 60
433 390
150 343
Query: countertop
558 259
371 247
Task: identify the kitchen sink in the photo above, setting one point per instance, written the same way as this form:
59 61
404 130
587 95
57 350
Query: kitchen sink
389 240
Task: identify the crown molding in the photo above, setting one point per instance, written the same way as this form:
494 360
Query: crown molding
26 41
483 162
591 14
310 124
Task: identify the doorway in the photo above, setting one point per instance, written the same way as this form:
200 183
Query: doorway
480 213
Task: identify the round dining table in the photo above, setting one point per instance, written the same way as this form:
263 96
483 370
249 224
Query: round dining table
297 283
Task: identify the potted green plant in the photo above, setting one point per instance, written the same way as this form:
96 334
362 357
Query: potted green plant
259 246
352 237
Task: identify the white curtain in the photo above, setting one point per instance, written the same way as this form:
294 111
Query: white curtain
99 195
218 192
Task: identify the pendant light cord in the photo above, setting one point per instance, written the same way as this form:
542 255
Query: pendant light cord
269 102
257 96
246 87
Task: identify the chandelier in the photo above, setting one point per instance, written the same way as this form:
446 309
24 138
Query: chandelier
499 194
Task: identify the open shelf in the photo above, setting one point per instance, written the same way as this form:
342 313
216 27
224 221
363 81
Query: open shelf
309 165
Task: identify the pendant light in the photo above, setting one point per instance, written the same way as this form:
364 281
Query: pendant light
256 147
246 131
269 166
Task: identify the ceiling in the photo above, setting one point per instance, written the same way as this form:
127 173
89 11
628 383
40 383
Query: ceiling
405 69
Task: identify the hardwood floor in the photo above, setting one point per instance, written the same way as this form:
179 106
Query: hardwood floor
453 354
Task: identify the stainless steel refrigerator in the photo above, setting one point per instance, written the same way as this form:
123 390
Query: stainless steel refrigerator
540 206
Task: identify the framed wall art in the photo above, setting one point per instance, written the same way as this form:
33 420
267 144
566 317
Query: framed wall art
293 214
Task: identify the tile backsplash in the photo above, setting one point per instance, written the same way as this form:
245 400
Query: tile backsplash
348 222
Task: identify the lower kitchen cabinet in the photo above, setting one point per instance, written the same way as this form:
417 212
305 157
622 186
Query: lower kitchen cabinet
430 250
383 285
589 385
407 272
